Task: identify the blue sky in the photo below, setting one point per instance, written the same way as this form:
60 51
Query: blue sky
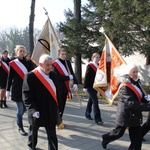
16 12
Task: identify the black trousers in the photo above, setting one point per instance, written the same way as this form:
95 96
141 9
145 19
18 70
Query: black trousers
146 126
134 134
51 135
93 100
62 102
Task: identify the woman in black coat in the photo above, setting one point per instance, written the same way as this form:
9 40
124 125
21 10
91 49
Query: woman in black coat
4 69
18 68
131 103
88 87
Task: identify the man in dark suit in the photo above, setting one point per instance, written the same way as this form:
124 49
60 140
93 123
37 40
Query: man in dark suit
62 67
40 98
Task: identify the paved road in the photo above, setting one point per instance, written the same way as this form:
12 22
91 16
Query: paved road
79 133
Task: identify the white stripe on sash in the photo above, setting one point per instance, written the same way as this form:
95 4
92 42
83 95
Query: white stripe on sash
95 64
137 89
21 66
6 66
46 77
62 67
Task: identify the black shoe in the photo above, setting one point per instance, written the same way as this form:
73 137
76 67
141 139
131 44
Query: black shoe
88 117
143 140
99 122
5 105
32 148
22 132
1 104
104 144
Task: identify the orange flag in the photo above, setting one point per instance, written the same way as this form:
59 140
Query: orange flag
106 82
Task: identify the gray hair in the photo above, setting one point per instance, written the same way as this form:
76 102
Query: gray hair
129 67
124 70
44 57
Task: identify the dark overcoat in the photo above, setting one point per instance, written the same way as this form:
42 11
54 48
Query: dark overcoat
89 77
14 81
62 87
129 109
37 98
3 73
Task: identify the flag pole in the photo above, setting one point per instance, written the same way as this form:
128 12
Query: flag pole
103 31
60 124
46 13
77 94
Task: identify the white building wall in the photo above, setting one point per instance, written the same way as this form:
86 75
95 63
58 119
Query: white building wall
138 59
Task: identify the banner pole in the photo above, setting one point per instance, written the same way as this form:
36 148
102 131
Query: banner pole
46 13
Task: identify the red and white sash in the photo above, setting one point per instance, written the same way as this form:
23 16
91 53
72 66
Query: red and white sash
18 67
134 88
46 81
62 70
93 65
5 66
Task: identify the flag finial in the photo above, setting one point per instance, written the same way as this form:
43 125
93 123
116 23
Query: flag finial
46 13
101 30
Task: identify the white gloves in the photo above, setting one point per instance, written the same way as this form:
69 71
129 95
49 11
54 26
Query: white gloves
84 90
7 94
75 87
147 97
36 114
71 77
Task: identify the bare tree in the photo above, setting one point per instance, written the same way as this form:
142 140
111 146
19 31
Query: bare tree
31 26
77 16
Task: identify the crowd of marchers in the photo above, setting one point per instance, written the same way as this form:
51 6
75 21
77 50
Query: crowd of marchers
43 90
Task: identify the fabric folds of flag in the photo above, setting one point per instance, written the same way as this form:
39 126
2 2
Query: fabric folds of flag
106 82
47 43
